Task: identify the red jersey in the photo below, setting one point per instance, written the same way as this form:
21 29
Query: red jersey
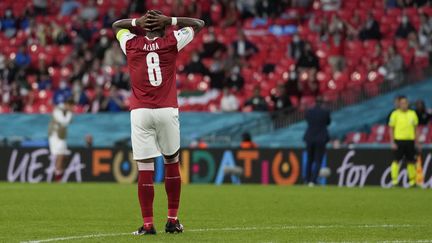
152 67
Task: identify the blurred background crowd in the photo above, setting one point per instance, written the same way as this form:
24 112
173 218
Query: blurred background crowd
254 55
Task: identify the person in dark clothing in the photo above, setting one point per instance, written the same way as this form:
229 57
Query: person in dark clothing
280 98
405 28
316 137
257 102
196 66
422 114
370 30
235 80
308 59
242 47
210 46
296 47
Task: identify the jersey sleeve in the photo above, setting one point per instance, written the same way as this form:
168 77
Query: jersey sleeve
392 120
415 118
183 36
123 36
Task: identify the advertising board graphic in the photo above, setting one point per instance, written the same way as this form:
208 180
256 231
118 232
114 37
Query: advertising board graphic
350 168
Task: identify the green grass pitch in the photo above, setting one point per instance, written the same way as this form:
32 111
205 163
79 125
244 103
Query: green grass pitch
106 212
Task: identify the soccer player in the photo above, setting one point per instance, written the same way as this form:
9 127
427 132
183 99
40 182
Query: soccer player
57 132
403 123
154 114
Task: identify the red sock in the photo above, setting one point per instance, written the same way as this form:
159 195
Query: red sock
146 196
172 188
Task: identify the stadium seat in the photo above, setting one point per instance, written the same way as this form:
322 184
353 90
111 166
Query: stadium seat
356 138
379 134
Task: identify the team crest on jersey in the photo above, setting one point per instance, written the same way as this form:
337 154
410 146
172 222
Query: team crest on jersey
185 31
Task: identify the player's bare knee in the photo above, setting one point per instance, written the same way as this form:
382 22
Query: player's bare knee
174 158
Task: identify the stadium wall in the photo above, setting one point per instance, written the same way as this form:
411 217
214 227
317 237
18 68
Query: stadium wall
351 168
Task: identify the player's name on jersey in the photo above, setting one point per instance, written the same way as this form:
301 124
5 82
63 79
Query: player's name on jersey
151 47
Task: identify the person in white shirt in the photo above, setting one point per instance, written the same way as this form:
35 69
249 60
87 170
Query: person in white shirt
57 133
229 102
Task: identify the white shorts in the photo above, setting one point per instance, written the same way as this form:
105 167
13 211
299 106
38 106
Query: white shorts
154 132
56 145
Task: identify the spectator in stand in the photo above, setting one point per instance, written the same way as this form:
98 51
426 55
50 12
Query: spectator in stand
97 101
109 18
371 29
392 70
295 48
281 101
405 28
90 11
114 102
231 14
85 33
247 142
60 36
309 85
2 66
257 102
16 98
376 60
412 3
353 27
423 115
242 47
211 45
120 79
44 81
308 59
292 84
336 25
78 94
8 24
266 8
68 7
246 8
235 80
62 94
331 5
217 72
114 56
229 102
40 7
425 31
196 65
101 46
22 58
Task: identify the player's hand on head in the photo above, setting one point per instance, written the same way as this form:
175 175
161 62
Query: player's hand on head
156 20
142 22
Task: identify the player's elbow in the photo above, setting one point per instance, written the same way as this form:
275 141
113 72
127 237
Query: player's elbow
199 24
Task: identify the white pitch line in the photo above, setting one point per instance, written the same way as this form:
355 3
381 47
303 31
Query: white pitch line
286 227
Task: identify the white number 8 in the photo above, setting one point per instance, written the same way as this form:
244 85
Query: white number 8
154 71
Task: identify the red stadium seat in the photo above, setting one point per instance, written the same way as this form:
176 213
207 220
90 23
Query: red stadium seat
356 138
379 134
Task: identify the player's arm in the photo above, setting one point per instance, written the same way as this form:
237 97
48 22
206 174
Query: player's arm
122 29
391 124
129 24
157 20
62 118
